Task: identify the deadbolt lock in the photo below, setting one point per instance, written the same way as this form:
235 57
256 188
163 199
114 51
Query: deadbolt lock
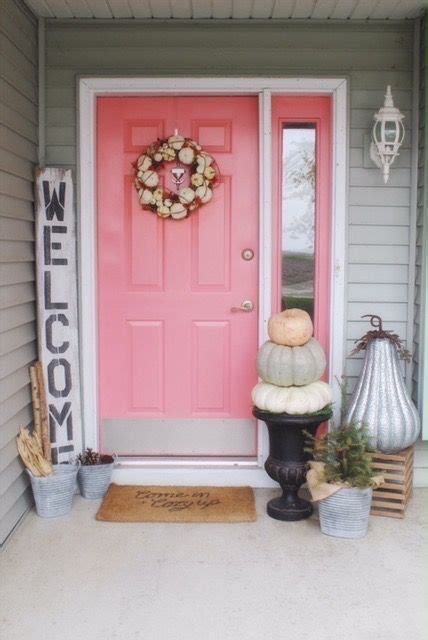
247 254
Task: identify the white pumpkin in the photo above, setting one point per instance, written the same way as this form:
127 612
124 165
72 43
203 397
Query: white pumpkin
186 155
144 162
146 196
204 193
204 160
149 178
186 195
288 366
295 401
178 211
176 142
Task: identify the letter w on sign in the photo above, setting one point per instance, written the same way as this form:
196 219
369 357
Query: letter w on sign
57 309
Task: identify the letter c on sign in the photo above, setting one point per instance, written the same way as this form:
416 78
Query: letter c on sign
49 338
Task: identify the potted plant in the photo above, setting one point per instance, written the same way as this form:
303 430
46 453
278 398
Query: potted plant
341 478
95 473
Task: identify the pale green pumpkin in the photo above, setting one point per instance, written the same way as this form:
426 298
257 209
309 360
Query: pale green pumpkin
291 366
292 400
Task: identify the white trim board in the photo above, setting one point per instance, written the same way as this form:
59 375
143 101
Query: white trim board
235 471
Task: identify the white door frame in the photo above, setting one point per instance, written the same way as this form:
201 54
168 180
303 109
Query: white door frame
220 472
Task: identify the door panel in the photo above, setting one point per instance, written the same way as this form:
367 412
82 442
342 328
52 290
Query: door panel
171 351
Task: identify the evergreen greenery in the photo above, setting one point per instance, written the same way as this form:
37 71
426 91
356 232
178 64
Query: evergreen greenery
325 411
345 452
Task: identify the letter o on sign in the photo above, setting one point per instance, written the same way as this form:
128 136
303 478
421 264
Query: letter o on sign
58 369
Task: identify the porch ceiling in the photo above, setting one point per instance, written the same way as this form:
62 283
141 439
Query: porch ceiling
229 9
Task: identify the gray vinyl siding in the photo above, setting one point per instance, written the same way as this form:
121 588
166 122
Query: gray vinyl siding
18 153
370 56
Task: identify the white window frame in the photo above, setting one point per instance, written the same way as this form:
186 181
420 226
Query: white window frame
232 472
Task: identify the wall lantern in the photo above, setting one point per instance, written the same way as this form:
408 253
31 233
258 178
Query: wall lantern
387 135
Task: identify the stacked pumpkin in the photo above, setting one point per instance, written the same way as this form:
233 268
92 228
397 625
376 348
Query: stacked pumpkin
290 365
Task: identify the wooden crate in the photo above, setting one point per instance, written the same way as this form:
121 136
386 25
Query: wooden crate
392 497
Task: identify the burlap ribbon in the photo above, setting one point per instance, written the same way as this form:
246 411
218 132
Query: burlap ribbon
320 489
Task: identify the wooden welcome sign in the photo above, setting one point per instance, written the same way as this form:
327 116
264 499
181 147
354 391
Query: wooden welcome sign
57 309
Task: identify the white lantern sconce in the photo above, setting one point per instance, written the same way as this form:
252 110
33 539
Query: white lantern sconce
387 135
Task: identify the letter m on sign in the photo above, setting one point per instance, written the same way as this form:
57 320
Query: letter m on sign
57 418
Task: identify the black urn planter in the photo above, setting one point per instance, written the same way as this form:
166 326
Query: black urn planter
287 461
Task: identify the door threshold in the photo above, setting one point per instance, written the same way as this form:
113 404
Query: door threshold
221 473
186 461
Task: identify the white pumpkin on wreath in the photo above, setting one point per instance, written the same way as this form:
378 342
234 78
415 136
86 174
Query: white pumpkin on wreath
204 176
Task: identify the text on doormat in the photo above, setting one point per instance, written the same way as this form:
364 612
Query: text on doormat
177 501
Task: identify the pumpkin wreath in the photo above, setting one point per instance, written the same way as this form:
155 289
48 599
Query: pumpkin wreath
204 176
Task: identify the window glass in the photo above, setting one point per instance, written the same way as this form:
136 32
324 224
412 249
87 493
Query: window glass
298 216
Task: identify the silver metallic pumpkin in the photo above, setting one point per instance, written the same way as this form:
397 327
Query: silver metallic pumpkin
381 400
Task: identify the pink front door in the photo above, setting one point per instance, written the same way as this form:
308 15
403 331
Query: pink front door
176 364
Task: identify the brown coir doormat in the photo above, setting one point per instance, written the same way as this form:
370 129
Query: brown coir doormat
132 503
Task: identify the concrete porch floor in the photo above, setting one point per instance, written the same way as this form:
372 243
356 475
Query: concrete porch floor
75 578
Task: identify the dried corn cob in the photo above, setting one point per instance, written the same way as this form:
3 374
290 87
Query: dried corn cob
30 450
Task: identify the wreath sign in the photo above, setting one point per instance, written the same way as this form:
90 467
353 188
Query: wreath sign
204 176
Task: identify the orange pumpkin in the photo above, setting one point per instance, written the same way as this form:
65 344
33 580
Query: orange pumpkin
292 327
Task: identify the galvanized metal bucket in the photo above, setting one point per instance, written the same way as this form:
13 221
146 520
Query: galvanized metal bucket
53 494
346 513
94 479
